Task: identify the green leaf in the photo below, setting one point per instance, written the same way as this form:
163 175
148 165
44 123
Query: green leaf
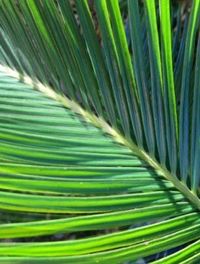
30 183
96 147
156 77
185 86
168 82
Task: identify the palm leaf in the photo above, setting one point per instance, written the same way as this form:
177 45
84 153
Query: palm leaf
92 133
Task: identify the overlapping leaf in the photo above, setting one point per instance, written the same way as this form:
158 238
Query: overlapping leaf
140 85
54 162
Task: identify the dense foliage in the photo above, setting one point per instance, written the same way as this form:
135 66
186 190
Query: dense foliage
99 131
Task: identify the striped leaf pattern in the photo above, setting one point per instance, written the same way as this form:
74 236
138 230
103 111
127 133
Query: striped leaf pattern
99 130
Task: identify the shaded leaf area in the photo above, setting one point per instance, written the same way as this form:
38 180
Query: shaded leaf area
53 162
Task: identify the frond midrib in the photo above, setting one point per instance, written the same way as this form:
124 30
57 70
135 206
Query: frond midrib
103 125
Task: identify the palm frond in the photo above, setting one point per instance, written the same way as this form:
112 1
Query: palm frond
52 162
142 94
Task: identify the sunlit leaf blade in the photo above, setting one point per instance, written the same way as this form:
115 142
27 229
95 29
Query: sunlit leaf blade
99 131
168 82
189 254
